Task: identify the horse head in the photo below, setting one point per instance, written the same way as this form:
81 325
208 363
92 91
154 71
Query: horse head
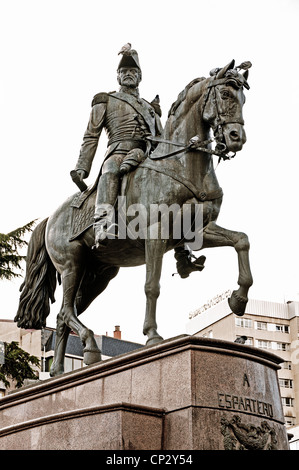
223 105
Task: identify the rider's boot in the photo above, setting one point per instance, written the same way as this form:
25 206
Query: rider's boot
104 225
184 264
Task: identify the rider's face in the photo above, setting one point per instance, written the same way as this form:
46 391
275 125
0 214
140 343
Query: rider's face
129 76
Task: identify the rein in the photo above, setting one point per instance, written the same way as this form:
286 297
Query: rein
193 144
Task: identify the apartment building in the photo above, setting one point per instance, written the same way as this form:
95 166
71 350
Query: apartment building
267 325
41 343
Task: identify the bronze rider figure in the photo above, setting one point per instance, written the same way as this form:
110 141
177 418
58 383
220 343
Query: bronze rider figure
126 118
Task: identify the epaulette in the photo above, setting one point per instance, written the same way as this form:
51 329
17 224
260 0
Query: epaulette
100 98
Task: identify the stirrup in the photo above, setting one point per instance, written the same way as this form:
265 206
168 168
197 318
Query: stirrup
185 266
102 230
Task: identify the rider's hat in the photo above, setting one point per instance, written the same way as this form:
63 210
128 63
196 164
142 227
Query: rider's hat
129 59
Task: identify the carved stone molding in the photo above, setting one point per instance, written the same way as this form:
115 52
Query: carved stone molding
240 436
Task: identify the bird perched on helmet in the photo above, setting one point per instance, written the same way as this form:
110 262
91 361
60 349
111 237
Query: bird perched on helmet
125 49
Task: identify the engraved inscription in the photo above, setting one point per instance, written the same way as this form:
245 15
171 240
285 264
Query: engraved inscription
246 381
234 402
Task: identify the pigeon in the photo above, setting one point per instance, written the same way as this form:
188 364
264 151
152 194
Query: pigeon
156 99
125 49
156 105
241 339
244 65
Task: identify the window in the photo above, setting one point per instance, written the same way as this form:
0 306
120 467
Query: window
282 328
249 341
72 363
68 364
260 325
286 401
289 421
287 365
48 363
208 334
283 346
77 363
287 383
243 322
263 344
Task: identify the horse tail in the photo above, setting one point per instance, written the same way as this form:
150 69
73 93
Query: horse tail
39 284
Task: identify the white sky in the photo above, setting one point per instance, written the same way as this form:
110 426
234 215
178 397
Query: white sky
56 55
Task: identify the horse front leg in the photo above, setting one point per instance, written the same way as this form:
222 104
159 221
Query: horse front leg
215 236
154 251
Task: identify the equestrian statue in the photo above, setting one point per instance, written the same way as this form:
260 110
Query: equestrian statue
156 191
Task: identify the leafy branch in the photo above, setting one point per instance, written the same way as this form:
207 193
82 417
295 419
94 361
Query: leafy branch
10 244
18 365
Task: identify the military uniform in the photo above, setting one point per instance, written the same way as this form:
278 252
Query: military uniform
125 118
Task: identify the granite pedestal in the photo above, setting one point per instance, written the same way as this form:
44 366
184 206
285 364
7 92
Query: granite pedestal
184 393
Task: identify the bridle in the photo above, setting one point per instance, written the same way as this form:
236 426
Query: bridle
220 120
194 143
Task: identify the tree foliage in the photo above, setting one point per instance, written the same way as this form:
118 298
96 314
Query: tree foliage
10 244
18 365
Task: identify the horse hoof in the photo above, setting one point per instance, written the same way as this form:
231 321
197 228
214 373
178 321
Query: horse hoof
91 356
54 371
237 303
154 340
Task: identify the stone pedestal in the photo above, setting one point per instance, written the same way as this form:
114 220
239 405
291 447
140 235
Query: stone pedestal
187 393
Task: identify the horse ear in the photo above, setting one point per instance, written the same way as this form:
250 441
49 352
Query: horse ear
223 71
246 74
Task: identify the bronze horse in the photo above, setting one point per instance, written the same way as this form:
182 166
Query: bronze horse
170 175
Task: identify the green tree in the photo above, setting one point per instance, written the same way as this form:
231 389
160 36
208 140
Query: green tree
18 365
10 244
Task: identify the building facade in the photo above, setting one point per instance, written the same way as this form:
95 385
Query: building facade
267 325
41 343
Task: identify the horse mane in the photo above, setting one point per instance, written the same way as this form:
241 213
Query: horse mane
182 96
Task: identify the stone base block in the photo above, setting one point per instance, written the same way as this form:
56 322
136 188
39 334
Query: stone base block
186 393
120 426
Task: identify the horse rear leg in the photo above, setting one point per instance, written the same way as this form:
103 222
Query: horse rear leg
91 352
217 236
71 278
154 251
62 334
90 287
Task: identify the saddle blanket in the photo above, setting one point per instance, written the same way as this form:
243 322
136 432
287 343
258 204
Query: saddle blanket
83 208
